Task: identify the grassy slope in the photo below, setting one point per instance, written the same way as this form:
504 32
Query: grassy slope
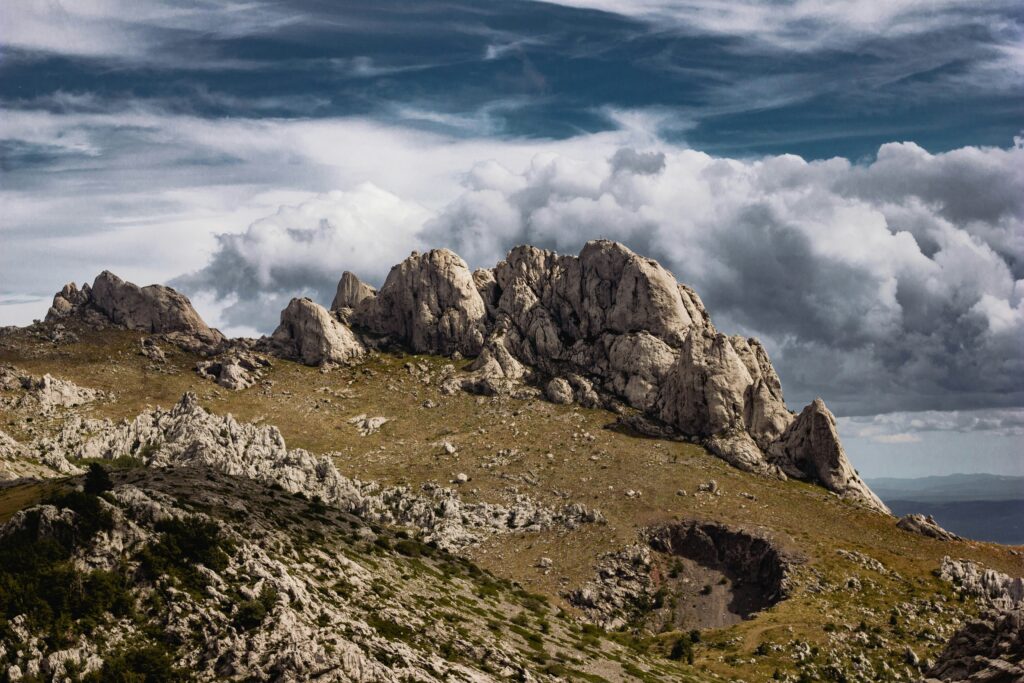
311 408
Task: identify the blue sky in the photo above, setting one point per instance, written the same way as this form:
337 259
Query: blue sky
840 179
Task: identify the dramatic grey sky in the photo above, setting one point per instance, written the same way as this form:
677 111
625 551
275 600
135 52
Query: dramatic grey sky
843 180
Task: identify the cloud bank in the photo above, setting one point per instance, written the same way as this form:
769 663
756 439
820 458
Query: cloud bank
892 285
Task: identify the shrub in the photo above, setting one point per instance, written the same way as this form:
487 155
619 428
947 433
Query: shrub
185 543
150 664
97 480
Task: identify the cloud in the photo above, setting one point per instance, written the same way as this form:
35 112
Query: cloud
127 29
808 24
896 284
297 251
908 427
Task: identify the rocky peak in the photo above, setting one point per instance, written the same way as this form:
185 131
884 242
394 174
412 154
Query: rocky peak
351 292
430 302
153 309
309 333
810 449
618 324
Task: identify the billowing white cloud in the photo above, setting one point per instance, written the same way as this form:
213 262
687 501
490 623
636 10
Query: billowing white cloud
889 285
298 250
897 279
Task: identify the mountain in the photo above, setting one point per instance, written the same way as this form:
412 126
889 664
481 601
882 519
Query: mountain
951 488
986 507
553 470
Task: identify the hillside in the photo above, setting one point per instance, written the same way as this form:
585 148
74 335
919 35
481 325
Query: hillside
504 532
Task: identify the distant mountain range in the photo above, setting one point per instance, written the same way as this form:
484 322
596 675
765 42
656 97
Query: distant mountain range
985 507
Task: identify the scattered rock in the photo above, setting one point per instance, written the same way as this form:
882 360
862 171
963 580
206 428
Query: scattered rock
368 425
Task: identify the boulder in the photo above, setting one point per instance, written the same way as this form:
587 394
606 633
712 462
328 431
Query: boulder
310 334
559 391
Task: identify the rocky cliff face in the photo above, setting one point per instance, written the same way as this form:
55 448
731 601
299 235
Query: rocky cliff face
611 321
153 309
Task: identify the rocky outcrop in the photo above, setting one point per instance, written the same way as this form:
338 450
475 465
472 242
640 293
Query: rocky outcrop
430 302
310 334
991 586
153 309
925 526
43 395
235 370
605 326
189 436
986 650
989 649
18 462
351 292
810 449
361 604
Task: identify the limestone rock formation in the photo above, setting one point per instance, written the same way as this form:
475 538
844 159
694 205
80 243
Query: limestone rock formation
986 650
154 308
996 588
611 326
430 302
235 370
925 526
43 394
810 449
189 436
351 292
309 333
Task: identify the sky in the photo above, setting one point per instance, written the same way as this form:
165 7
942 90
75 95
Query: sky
842 180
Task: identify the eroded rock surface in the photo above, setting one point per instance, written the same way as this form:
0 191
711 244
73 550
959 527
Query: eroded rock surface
153 309
189 436
605 326
925 525
43 394
986 650
310 334
267 604
428 301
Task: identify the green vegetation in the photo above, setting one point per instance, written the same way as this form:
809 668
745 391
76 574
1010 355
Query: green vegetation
39 580
184 544
251 613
